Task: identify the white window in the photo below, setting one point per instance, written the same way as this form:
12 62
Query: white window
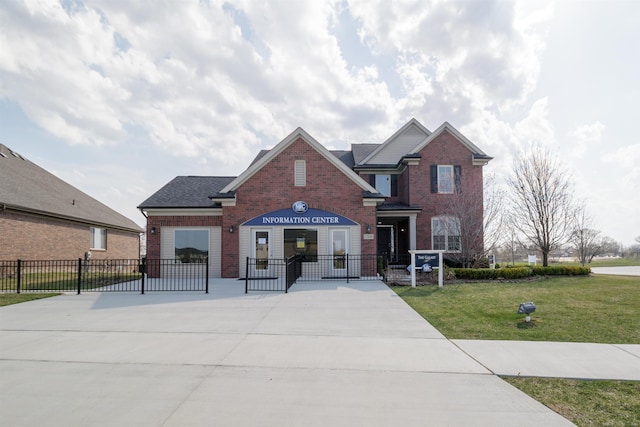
300 173
98 238
445 179
383 184
445 234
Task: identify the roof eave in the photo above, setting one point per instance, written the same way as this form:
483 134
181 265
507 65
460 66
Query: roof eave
71 218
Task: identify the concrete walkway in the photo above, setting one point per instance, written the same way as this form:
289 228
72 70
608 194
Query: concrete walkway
325 354
619 271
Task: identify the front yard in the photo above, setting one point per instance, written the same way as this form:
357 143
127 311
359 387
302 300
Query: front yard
599 309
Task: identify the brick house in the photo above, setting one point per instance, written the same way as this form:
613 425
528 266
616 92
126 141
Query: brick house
44 218
300 198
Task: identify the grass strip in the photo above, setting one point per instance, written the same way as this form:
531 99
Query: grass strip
8 299
586 403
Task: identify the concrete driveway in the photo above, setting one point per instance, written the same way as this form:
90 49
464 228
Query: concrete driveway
326 354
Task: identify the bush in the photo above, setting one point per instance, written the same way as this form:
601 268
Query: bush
510 272
475 273
515 273
558 270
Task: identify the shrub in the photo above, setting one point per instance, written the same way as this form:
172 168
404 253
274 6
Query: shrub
559 270
475 273
489 274
515 272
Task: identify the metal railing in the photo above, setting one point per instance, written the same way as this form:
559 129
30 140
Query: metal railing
277 274
108 275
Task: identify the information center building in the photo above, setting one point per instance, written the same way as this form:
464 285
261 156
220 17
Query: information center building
300 198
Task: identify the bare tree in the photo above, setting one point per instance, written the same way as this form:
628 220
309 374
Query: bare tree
472 222
585 240
541 200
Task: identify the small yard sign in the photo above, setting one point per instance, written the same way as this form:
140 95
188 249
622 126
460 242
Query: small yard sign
421 257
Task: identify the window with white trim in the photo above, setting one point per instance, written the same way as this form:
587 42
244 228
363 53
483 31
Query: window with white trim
445 234
98 239
300 179
445 179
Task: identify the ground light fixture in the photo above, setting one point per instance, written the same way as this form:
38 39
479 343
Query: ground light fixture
527 308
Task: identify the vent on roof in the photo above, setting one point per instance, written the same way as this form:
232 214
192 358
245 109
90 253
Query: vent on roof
3 155
16 155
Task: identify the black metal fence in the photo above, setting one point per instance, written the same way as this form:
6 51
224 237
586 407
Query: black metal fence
279 274
109 275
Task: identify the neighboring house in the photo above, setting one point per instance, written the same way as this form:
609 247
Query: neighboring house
44 218
300 198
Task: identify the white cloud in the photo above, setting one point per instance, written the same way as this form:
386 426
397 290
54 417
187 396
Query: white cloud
585 137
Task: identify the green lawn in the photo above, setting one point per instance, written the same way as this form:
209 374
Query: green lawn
601 309
8 299
586 403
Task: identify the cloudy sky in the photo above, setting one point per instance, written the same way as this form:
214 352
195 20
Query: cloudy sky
119 97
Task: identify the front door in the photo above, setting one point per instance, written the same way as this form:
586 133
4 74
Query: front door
386 246
262 251
339 247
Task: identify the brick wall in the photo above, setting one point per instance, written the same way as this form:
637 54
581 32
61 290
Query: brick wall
272 188
444 150
32 237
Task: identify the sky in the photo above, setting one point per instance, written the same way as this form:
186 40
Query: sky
119 97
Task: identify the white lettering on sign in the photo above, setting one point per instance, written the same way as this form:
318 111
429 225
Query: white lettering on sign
286 220
300 220
325 220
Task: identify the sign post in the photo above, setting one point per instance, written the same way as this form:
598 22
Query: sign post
431 257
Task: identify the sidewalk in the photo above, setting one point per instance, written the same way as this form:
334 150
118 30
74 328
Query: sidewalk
556 359
327 353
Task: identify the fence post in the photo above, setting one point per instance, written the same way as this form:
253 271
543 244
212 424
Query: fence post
286 274
143 269
347 267
79 274
206 278
246 277
19 276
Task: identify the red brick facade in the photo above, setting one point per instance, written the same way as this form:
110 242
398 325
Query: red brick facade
269 185
32 237
272 188
443 150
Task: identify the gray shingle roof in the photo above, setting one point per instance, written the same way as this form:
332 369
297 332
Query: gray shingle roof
188 192
28 187
360 151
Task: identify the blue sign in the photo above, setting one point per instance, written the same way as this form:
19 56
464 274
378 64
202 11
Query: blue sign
432 259
310 217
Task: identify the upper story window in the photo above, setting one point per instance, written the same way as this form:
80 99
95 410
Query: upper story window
445 234
387 185
446 179
98 238
300 178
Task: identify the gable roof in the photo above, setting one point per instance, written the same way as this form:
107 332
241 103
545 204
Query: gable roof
30 188
262 160
397 145
188 192
479 156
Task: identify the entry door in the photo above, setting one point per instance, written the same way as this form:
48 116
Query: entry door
339 247
386 242
261 250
